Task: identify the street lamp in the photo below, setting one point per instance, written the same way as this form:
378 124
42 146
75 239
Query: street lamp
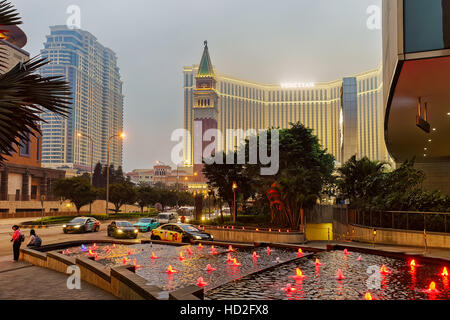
234 187
121 136
80 135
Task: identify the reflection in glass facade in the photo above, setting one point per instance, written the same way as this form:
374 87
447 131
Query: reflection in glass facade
427 25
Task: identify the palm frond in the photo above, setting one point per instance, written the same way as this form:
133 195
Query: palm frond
24 96
8 14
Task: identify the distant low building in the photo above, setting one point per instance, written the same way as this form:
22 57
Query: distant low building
161 174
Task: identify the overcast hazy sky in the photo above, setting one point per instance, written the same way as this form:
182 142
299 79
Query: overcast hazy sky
260 40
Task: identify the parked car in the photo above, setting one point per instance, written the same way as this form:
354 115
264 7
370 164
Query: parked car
179 232
166 217
146 224
122 229
82 225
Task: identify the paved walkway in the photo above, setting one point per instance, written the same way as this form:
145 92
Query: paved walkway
22 281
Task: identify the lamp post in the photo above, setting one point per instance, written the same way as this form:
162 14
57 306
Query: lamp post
122 136
234 187
80 135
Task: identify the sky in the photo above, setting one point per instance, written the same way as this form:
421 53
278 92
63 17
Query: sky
265 41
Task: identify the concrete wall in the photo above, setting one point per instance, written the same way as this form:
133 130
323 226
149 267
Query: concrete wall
121 281
63 208
390 236
251 236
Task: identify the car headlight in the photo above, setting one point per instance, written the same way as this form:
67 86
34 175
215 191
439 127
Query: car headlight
135 230
119 231
77 226
197 237
64 225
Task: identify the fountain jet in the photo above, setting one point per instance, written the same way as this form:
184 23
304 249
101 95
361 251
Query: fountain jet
209 268
201 283
170 270
340 275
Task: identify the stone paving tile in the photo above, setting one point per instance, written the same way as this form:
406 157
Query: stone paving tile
11 265
34 283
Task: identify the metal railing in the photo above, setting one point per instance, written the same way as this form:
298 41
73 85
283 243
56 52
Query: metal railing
399 220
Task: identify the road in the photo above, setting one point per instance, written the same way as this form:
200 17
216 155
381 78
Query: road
49 235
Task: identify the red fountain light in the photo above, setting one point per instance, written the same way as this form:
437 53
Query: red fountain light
432 288
384 270
200 247
229 260
96 257
300 253
289 288
268 250
346 251
125 260
209 268
235 263
154 256
359 258
255 255
368 296
188 250
181 256
91 253
137 266
340 275
170 270
317 262
412 264
298 274
213 250
444 272
230 249
201 283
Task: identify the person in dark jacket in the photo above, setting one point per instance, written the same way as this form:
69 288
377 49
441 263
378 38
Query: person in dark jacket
35 240
17 241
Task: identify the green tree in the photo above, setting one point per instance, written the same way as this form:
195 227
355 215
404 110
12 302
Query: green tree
120 194
78 190
305 169
361 181
222 176
25 95
146 196
98 178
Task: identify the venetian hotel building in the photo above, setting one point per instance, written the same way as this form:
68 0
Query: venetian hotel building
347 115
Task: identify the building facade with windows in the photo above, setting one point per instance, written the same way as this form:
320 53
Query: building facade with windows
23 182
347 115
97 101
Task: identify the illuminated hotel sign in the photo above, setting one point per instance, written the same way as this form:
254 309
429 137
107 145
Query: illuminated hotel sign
297 85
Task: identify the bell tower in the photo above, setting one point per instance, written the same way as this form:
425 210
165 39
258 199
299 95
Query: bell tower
205 108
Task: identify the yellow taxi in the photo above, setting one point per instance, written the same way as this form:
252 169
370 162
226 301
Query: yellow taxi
179 232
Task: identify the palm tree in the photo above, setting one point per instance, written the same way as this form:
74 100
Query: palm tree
25 95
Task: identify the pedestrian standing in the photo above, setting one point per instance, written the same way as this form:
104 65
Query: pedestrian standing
17 239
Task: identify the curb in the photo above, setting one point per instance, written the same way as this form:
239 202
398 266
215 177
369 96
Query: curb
39 226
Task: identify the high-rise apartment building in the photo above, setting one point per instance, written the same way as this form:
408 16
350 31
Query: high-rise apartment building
97 105
347 115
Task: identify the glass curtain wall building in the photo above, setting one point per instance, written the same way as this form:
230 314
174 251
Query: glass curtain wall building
97 105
